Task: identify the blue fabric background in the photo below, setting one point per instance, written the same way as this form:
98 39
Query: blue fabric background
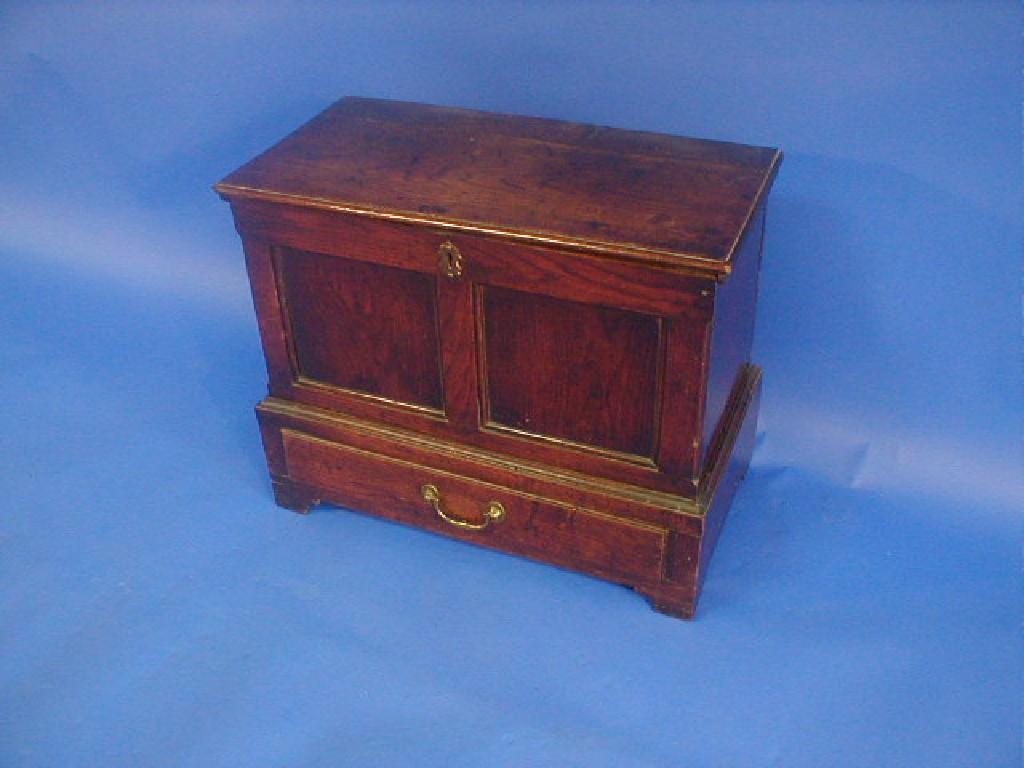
863 608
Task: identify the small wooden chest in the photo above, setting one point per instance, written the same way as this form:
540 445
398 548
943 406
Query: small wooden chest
527 334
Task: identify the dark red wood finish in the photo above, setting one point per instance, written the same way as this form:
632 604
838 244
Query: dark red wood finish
583 373
585 183
585 367
362 327
675 301
560 534
733 331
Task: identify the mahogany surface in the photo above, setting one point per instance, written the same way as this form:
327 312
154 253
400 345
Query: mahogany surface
334 304
579 182
525 334
613 355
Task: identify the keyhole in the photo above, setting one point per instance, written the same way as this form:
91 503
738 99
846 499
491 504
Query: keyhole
451 259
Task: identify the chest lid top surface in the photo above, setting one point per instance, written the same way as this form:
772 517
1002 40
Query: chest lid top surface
655 197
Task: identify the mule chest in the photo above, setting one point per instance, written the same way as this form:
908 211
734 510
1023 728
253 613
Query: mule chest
526 334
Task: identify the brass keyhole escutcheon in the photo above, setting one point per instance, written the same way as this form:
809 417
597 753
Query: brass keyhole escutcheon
451 259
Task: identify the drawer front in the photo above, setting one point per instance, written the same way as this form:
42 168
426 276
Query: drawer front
485 514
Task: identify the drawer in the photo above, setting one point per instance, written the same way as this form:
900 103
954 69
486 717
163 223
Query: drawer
489 515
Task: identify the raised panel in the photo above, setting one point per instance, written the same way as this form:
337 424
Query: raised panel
570 371
362 327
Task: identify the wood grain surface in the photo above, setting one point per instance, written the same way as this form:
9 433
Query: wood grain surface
670 194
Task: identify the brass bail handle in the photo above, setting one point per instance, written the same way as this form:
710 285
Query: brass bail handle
494 513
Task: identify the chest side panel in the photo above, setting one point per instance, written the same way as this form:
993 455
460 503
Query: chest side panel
733 328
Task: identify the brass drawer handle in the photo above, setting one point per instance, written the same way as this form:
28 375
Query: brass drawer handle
494 513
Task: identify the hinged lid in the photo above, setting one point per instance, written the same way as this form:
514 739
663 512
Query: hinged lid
645 196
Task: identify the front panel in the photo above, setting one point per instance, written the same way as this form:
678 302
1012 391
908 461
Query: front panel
361 327
572 372
573 362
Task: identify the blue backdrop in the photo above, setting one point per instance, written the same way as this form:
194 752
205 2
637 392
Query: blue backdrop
863 608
